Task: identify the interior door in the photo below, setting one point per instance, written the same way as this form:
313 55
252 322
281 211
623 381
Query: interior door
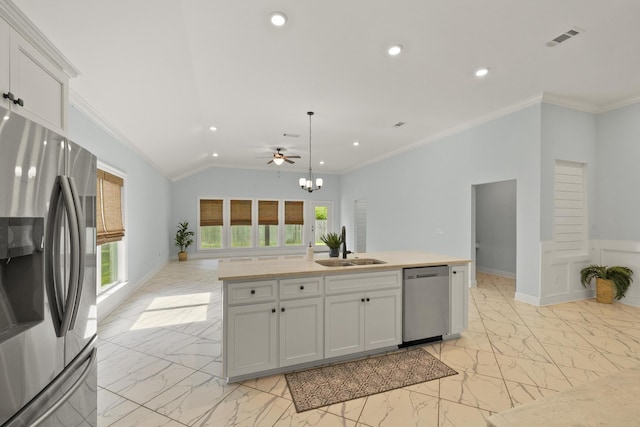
321 222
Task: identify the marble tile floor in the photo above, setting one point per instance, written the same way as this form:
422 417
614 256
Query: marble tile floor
160 360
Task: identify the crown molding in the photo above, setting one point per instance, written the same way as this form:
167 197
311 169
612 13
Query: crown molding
23 25
620 104
77 102
205 167
564 101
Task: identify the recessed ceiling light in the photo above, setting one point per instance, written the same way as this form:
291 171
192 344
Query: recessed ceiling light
322 162
481 72
278 19
44 142
213 128
395 49
356 143
214 155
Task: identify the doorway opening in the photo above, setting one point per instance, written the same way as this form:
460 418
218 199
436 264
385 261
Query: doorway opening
493 229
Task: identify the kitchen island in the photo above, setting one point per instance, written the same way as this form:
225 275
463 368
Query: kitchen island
288 312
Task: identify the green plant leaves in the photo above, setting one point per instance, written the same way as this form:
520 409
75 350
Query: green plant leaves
621 276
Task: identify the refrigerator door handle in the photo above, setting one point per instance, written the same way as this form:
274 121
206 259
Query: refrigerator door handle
87 370
42 400
62 320
51 240
80 249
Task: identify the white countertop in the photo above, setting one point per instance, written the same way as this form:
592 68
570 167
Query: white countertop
296 265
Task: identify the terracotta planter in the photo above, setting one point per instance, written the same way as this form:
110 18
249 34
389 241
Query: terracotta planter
605 291
182 256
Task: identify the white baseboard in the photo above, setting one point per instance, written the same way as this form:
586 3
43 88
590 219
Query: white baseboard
506 274
116 295
526 298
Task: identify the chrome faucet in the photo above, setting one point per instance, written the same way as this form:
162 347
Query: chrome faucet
344 243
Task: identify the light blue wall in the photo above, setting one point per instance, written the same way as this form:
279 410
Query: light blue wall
245 183
496 227
566 135
618 153
421 199
147 196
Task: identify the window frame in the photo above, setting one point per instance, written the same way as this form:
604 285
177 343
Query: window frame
255 228
225 220
122 244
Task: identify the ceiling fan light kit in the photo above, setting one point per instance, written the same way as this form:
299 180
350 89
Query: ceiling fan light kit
307 184
279 158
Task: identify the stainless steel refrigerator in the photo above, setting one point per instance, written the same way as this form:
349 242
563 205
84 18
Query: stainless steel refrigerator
47 278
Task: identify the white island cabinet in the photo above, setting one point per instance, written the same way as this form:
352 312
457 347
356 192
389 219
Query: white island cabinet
292 313
458 298
360 321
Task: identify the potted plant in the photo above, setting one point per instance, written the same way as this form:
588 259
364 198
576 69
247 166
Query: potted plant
333 240
184 239
606 279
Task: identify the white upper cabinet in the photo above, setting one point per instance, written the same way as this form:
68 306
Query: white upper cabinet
5 46
34 75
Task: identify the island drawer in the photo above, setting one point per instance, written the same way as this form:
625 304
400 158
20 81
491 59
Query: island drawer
340 283
250 292
301 287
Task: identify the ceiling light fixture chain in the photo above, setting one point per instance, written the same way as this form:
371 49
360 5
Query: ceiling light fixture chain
307 184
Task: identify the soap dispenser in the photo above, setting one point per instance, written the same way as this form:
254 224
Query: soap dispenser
310 252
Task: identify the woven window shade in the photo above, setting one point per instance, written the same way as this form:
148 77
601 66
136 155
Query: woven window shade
293 213
210 212
241 212
109 224
267 212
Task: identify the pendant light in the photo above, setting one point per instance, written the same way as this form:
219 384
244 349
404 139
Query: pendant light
307 183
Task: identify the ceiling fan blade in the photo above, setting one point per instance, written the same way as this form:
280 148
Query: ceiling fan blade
270 161
293 157
288 161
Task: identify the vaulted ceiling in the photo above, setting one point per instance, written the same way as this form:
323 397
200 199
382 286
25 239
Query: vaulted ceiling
161 73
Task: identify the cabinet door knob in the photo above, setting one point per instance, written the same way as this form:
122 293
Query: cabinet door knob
19 102
362 300
302 287
368 300
282 309
455 272
273 310
8 95
253 291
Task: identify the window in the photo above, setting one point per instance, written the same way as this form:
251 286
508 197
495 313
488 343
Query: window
320 226
241 223
268 222
570 213
210 224
109 229
293 222
108 264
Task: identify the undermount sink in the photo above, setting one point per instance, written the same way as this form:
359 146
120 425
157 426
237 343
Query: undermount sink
349 262
335 262
366 261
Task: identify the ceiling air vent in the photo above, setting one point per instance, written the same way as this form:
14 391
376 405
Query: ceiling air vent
565 36
291 135
397 125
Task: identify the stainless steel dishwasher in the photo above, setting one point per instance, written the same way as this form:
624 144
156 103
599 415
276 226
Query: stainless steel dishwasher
425 303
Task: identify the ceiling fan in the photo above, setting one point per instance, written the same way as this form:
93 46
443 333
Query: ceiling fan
279 158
